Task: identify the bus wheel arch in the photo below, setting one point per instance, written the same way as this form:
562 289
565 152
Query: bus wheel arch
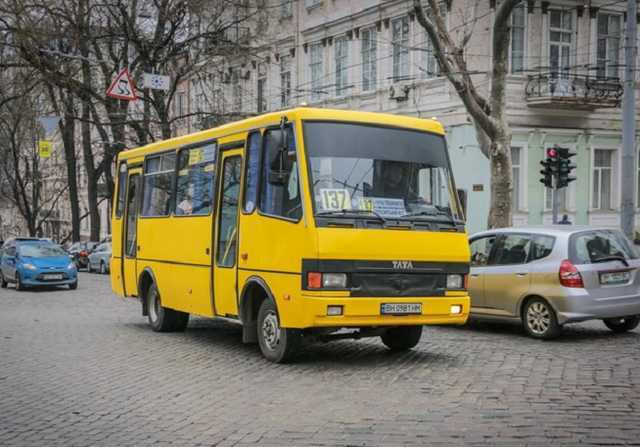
254 292
145 280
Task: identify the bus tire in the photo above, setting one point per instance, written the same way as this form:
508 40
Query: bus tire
277 344
162 319
402 338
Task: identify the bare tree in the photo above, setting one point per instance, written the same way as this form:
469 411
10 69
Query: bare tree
33 190
487 113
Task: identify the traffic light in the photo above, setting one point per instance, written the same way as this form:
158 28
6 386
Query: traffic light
551 167
565 167
547 177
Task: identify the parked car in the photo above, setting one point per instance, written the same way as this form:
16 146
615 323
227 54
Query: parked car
28 263
80 252
99 258
550 276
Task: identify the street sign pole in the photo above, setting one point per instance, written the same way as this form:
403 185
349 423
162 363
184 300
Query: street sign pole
627 212
556 200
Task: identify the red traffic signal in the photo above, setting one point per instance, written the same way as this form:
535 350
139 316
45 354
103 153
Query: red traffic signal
552 152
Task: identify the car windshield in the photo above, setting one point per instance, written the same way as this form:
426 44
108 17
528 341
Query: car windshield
40 250
599 246
359 169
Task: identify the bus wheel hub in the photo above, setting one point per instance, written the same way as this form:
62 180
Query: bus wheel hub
271 330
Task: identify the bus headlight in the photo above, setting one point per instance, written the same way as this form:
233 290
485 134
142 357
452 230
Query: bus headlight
334 280
454 281
317 280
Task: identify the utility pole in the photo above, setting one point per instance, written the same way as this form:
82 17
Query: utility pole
627 209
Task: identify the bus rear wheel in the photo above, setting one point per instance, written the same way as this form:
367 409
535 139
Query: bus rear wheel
402 338
276 343
162 319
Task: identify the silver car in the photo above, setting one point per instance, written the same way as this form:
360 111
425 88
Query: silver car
99 258
552 275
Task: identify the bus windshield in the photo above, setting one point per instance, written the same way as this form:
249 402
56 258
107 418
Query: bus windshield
359 169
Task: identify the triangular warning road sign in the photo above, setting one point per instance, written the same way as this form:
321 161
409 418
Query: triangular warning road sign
123 87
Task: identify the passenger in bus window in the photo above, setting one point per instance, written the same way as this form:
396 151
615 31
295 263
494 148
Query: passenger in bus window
185 207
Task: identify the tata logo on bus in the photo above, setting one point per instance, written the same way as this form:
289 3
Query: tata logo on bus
402 265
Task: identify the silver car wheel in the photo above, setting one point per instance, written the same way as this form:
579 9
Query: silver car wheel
271 330
538 318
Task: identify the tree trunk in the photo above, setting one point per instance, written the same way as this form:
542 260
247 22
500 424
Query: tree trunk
68 126
92 181
500 214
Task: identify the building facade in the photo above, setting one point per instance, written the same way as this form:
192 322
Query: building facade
564 88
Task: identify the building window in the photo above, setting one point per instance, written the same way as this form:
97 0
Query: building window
261 88
562 199
400 42
286 9
518 20
608 50
369 59
181 103
428 61
312 3
560 39
200 101
315 66
285 80
516 170
602 198
341 52
236 91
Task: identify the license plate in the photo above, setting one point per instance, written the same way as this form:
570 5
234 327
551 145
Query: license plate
52 276
615 278
401 308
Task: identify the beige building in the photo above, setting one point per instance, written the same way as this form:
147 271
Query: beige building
565 62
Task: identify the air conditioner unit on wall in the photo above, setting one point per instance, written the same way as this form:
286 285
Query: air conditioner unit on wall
399 91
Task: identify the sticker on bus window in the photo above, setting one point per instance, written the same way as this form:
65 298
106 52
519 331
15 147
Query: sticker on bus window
209 153
383 206
335 199
209 168
195 156
183 172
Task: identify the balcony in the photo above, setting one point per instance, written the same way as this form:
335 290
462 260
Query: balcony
568 91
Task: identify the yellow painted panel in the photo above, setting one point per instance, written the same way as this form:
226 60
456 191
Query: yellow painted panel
182 287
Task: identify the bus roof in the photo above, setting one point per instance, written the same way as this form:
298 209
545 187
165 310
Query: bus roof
273 118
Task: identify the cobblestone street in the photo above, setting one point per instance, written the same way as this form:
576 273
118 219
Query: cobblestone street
82 368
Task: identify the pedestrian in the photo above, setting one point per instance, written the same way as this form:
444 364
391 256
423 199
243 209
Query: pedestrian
565 220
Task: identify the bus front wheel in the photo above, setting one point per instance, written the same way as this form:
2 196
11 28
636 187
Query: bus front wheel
276 343
402 338
162 319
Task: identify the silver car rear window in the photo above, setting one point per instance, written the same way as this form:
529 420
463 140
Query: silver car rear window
594 246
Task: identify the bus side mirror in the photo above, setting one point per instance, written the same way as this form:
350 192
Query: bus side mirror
279 172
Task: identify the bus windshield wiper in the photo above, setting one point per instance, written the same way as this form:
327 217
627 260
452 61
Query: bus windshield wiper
423 213
346 212
612 258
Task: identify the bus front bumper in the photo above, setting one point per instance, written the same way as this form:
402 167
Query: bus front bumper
368 312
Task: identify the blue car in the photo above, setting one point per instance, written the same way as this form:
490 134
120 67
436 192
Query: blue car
30 263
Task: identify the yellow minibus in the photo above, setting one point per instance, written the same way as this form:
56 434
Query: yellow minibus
302 225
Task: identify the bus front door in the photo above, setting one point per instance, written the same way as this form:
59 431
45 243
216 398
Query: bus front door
130 238
225 263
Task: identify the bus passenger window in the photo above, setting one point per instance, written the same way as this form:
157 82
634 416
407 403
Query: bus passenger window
122 183
196 169
280 198
158 184
252 172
